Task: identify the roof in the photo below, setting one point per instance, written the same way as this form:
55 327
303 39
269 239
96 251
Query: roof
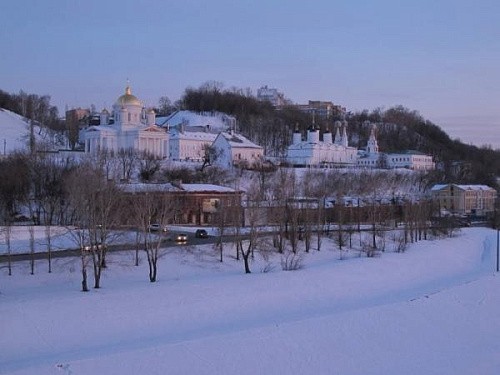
408 152
168 187
215 120
239 141
192 135
128 98
463 187
205 188
141 187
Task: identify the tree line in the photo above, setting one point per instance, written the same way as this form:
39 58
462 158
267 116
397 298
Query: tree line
44 190
33 107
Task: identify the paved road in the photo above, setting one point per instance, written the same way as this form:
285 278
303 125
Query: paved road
168 242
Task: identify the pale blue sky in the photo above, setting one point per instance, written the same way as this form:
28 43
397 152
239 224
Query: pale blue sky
441 58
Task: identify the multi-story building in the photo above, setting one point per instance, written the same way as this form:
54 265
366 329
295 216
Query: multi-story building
273 96
465 199
322 109
236 150
188 143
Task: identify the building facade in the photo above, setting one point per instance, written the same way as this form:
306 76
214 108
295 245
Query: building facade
133 128
271 95
190 204
321 109
465 199
373 158
329 152
236 150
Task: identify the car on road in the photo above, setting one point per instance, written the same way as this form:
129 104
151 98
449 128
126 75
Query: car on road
181 238
201 233
157 227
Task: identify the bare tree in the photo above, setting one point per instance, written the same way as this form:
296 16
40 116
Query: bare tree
96 204
149 164
148 208
128 159
210 155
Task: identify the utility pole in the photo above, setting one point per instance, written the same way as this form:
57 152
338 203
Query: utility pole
498 249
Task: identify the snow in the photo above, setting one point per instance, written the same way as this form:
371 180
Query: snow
434 309
14 132
215 120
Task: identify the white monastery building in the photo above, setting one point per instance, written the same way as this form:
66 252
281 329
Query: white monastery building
329 152
337 153
410 159
133 128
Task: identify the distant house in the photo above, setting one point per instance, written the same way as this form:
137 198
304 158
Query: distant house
465 199
271 95
194 204
188 143
235 149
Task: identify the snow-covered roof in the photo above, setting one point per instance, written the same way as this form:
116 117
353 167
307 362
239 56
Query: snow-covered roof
199 188
191 188
142 187
239 141
438 187
463 187
192 135
475 187
215 120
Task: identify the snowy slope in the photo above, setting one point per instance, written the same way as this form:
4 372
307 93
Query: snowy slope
13 132
432 310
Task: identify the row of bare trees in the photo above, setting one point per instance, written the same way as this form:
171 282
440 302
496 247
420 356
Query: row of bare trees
301 208
332 203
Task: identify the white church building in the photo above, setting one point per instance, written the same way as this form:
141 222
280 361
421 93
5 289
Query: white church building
328 152
133 128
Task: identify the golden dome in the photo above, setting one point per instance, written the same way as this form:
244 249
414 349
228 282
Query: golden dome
128 98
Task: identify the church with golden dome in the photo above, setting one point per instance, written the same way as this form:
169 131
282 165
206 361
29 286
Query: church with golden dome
130 126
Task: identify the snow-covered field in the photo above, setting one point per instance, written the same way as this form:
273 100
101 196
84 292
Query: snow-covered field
434 309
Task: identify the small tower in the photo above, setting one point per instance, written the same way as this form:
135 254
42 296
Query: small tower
338 138
297 136
327 136
344 138
104 117
312 135
123 116
372 145
150 117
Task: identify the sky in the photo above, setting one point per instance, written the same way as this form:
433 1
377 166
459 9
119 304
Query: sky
440 58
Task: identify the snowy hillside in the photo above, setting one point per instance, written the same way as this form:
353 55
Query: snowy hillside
13 132
434 309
